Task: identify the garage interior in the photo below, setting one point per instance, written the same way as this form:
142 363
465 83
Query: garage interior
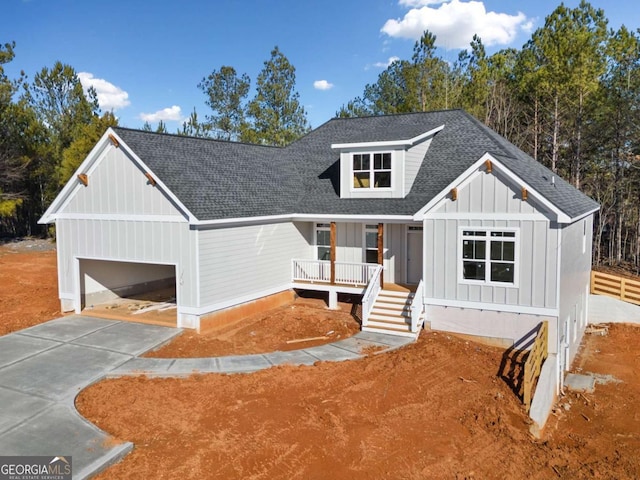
138 292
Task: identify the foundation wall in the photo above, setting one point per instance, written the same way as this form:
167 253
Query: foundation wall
229 316
505 328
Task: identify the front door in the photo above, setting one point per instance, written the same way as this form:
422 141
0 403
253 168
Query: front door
414 254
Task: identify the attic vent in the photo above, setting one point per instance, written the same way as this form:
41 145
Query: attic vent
84 179
488 165
114 140
152 180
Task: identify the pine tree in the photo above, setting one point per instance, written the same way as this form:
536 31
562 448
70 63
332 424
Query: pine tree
226 93
277 118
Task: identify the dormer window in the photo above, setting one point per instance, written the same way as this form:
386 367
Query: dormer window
372 174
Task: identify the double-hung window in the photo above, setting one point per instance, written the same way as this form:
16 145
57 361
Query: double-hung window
372 170
489 255
371 243
323 241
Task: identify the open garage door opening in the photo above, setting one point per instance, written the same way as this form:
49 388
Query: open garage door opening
140 292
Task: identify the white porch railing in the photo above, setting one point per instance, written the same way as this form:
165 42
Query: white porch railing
370 294
320 271
417 307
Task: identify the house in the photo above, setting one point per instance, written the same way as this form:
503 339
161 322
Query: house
491 242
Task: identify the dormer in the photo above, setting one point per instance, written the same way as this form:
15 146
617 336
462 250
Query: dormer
381 169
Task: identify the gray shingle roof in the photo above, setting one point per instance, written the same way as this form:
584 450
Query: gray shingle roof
219 180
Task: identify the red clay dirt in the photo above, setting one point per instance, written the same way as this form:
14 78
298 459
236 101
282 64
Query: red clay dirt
305 323
435 409
28 284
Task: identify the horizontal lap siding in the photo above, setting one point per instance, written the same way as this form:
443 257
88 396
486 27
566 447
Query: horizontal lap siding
413 159
575 271
350 249
241 261
395 259
349 242
128 241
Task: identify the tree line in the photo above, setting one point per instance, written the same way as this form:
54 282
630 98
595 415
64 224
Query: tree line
50 124
570 97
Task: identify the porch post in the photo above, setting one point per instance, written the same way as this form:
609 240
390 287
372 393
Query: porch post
381 251
332 252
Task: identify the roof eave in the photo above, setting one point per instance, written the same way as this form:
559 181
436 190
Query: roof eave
301 217
388 143
87 166
49 215
559 214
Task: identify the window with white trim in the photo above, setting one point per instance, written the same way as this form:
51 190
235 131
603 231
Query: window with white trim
372 170
488 256
371 243
323 241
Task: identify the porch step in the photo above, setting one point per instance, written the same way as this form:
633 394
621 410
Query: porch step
395 296
388 315
390 304
383 322
390 331
391 314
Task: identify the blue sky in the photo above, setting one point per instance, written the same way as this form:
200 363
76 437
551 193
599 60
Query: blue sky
145 58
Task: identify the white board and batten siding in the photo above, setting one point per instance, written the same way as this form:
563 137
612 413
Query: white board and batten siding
119 216
241 264
490 201
117 186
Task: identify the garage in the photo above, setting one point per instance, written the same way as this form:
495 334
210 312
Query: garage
141 292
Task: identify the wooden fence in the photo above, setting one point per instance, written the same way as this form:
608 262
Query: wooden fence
614 286
533 364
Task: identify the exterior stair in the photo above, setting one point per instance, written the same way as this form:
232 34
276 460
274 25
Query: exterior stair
391 314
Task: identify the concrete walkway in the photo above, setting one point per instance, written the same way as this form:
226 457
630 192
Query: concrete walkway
43 368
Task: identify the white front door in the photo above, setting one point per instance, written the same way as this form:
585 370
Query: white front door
414 254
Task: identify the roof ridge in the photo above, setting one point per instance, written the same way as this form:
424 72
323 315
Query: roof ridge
403 114
495 138
191 137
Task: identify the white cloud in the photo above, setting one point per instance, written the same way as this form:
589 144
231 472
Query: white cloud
454 23
173 113
110 97
322 85
419 3
387 63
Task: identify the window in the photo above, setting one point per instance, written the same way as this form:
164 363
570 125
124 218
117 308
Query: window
371 243
489 256
323 241
368 174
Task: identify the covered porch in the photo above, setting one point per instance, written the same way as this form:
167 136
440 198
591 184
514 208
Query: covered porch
387 303
326 273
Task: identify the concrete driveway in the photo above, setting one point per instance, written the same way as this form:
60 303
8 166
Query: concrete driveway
43 368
